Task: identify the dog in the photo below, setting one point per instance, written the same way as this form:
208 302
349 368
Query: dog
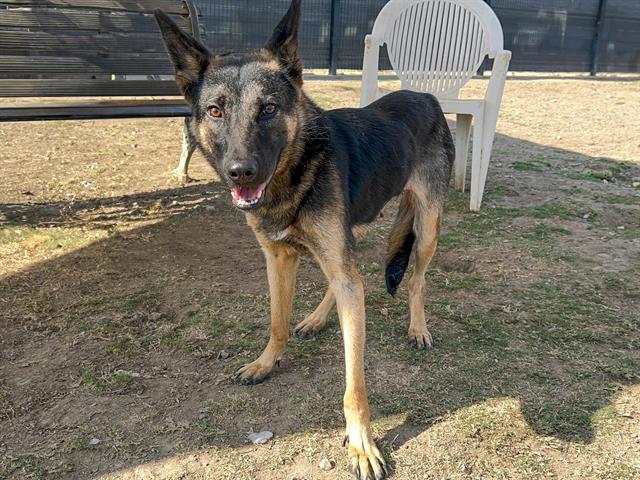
305 177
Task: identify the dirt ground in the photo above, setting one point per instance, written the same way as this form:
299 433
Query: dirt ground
127 300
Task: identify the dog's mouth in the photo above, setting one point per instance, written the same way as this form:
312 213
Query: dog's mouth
247 197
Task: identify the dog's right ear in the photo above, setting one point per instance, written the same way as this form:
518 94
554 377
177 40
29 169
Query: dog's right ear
190 58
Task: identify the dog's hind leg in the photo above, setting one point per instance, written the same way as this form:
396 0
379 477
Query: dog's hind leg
318 319
282 264
426 226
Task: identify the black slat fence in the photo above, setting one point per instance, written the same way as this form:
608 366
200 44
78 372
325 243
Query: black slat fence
544 35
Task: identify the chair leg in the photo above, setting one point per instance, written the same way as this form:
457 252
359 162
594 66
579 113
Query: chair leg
487 147
188 147
477 182
463 129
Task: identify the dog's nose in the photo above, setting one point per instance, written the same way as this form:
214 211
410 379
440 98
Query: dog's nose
242 172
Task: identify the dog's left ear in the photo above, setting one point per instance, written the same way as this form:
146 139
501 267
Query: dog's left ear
284 41
189 57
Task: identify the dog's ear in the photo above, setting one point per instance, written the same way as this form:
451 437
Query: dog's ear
284 41
189 57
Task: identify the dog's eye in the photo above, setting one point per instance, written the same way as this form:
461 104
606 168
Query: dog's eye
270 109
214 112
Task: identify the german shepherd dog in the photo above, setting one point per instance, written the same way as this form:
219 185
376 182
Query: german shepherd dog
305 178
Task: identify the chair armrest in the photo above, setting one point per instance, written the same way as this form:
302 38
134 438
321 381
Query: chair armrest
369 87
498 77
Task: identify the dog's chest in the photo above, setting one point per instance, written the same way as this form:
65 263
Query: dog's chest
291 236
281 235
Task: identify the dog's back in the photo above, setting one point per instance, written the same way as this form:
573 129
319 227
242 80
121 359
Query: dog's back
378 149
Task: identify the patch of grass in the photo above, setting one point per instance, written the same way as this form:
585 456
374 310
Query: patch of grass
120 345
22 466
580 176
633 199
527 166
497 191
7 408
45 239
619 366
603 170
560 417
108 383
607 175
454 280
555 209
76 443
543 231
629 233
491 225
372 268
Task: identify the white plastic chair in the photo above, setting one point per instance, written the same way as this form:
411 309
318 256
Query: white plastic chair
436 46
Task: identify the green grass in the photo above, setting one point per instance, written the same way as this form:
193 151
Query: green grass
106 383
7 408
527 166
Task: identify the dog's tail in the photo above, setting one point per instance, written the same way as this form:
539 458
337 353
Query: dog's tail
400 242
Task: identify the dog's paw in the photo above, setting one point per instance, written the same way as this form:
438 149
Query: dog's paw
310 326
420 338
252 373
366 462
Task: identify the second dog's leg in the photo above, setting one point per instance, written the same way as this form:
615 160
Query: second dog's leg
282 263
318 319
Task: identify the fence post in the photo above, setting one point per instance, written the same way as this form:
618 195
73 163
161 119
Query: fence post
483 65
595 47
332 39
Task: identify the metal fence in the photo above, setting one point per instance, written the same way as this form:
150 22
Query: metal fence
544 35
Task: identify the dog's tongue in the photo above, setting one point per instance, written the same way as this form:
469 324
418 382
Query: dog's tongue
247 194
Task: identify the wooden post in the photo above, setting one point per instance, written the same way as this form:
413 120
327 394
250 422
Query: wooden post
595 46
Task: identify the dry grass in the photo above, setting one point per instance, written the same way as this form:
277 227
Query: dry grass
109 270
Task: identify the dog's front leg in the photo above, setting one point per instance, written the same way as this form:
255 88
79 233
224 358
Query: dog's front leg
282 263
366 461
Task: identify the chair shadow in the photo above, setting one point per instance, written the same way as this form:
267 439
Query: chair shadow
193 252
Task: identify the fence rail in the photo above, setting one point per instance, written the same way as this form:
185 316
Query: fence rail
544 35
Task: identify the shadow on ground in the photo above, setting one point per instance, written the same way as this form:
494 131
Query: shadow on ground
132 338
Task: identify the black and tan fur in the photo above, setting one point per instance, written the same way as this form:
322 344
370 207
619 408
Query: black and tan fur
324 173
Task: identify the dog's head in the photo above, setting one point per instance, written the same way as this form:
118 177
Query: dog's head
245 108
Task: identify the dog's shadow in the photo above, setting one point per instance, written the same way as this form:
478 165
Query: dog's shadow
182 300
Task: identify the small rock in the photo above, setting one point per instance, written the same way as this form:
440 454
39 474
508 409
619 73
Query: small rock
326 464
636 184
223 355
95 441
260 437
621 227
211 208
155 316
586 216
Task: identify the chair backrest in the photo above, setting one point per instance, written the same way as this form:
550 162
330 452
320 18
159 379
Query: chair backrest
87 47
436 46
